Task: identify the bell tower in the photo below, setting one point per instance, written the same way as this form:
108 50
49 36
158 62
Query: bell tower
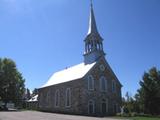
93 41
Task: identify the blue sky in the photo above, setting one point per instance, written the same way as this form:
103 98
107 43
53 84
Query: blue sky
45 36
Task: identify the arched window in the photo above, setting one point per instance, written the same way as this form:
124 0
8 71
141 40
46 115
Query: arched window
113 86
57 98
68 97
103 84
91 107
90 82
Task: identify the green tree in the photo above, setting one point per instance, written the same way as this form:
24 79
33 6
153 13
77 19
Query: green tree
11 82
149 93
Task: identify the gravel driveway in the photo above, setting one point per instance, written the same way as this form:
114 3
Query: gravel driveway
34 115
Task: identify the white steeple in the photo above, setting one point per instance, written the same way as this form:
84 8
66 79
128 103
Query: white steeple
93 41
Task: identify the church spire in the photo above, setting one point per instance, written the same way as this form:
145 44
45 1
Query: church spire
93 41
92 21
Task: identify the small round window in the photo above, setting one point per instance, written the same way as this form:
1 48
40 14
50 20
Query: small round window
102 68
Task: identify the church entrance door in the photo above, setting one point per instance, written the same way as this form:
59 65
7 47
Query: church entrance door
104 110
91 107
104 107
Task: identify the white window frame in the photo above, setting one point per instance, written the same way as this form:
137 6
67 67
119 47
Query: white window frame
105 82
93 103
90 78
57 92
68 89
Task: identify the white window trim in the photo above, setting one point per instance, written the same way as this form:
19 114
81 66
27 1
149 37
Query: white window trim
106 87
57 91
93 106
88 79
69 98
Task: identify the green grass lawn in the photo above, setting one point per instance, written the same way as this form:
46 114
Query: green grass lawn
138 118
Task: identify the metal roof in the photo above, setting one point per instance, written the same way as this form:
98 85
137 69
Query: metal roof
69 74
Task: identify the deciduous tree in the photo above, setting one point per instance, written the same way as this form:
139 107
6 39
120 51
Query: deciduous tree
11 82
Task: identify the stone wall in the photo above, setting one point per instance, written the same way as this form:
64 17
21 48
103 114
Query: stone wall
96 94
48 104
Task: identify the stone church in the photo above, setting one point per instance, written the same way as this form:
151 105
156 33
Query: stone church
89 88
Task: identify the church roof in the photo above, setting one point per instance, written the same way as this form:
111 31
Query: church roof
69 74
